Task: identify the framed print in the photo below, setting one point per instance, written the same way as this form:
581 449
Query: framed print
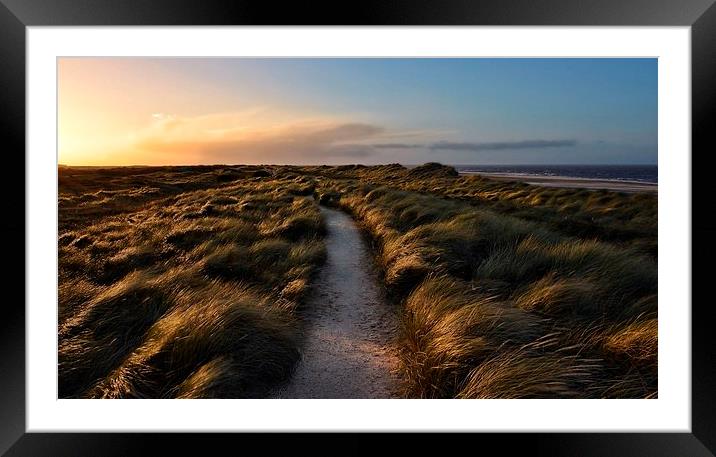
473 217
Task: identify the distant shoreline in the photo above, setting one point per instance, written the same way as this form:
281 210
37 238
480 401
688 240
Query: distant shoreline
570 182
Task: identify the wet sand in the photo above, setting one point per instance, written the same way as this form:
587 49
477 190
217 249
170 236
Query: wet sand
576 183
349 349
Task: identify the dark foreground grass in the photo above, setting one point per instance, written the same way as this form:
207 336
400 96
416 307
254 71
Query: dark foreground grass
498 306
187 288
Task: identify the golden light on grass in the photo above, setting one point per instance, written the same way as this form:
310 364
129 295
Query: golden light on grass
188 281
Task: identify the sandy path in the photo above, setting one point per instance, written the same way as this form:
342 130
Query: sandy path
348 350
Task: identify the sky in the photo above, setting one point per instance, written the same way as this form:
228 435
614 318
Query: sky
185 111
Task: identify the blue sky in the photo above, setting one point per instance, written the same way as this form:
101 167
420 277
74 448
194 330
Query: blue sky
458 111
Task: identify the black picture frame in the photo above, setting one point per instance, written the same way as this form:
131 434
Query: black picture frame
16 15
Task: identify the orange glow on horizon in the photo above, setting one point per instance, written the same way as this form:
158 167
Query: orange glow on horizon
112 113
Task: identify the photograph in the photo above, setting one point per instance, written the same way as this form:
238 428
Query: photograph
357 227
470 221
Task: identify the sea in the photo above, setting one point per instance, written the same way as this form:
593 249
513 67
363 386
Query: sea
638 173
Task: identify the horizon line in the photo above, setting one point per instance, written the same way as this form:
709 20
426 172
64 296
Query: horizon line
371 165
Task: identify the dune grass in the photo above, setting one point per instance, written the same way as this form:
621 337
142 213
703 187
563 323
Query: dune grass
500 306
185 282
624 219
189 290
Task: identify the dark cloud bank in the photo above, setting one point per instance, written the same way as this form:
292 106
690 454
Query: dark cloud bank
490 146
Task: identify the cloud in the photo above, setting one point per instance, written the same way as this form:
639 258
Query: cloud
248 138
486 146
499 146
262 135
397 146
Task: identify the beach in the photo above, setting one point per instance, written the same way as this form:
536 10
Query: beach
573 183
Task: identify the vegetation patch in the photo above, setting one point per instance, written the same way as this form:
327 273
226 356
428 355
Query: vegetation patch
185 289
185 282
499 303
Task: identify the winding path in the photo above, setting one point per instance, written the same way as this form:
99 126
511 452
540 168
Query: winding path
348 350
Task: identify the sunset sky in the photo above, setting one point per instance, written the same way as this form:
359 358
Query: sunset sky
152 111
